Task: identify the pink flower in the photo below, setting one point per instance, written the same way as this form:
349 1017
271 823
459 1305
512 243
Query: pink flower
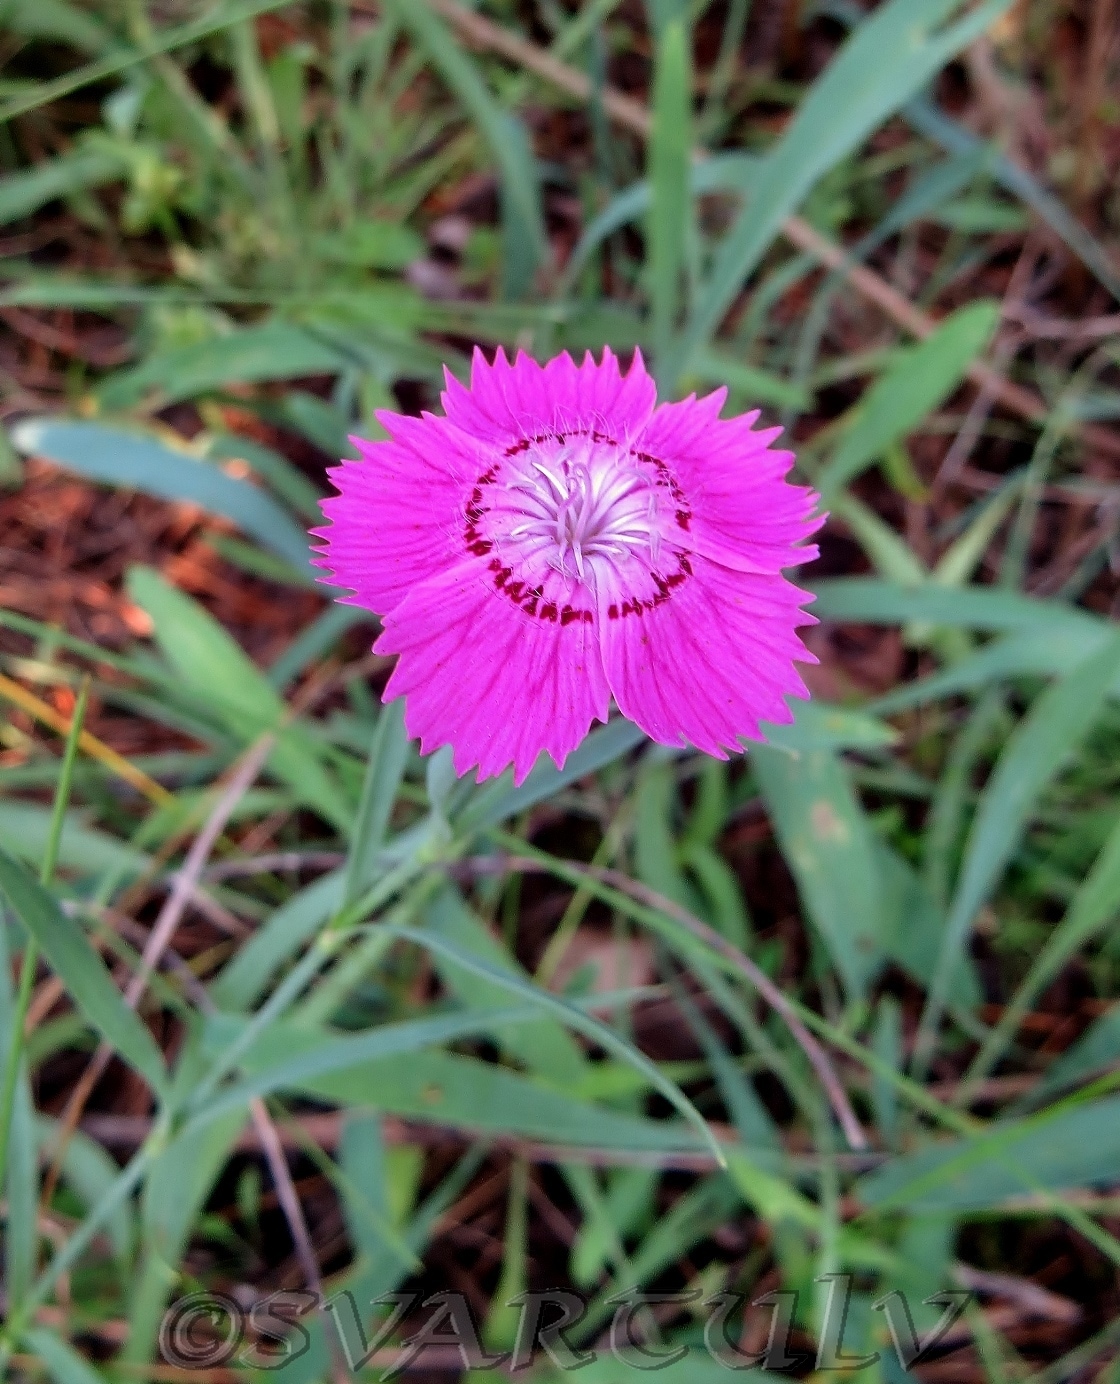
556 539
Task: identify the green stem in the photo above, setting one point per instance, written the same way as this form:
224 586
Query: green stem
31 950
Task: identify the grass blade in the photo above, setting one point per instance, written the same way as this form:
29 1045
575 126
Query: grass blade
275 350
89 1172
25 192
411 1079
384 770
1068 1147
965 607
829 846
920 378
55 19
669 155
14 1055
210 662
854 96
499 800
954 138
544 1046
1040 744
575 1018
109 66
144 462
1095 904
62 1361
19 1165
81 970
526 244
178 1183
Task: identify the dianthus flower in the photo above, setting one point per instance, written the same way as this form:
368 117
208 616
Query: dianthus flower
556 539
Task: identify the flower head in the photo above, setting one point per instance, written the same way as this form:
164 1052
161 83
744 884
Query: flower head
556 539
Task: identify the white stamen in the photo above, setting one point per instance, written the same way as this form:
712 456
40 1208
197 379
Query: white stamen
575 502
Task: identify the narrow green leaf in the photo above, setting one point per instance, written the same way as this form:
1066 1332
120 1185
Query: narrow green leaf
144 462
724 905
62 1361
246 977
830 847
751 1119
319 421
212 664
960 560
919 379
724 172
121 60
819 726
500 799
276 471
1074 1147
936 186
366 1183
669 155
384 771
913 923
655 846
81 970
90 1172
25 192
19 1179
945 821
747 385
322 1055
1096 903
970 607
525 240
204 655
314 641
55 19
1041 743
575 1018
176 1188
954 137
501 1330
544 1045
1097 1049
275 350
436 1086
25 830
887 1042
856 93
890 554
1047 652
981 216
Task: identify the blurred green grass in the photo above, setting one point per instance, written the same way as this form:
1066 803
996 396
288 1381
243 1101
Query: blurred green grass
310 209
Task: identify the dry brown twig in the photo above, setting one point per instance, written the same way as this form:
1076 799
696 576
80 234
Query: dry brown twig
1044 328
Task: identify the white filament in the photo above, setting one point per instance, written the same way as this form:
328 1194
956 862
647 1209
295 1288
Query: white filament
583 502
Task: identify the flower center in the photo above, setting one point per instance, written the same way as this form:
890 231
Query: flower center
575 510
569 502
571 522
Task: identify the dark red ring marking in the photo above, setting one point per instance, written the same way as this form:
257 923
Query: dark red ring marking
530 602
